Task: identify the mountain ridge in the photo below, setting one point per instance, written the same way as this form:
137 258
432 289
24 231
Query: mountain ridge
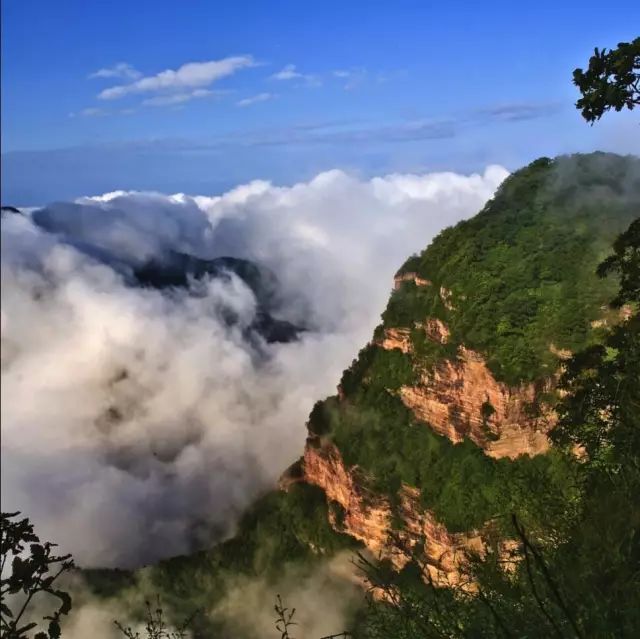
440 426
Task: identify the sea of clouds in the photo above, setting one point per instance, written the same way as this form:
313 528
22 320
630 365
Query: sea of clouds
206 420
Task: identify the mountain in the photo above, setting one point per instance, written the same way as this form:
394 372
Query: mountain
9 210
440 434
447 412
165 268
176 269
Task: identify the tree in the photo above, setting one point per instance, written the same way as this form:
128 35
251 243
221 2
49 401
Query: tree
32 573
625 262
611 81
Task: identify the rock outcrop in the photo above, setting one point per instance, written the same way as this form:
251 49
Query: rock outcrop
368 517
461 398
401 278
445 296
399 338
436 330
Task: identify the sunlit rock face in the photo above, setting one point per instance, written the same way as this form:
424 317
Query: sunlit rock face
368 518
462 398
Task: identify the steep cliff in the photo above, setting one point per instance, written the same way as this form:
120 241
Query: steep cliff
389 530
442 422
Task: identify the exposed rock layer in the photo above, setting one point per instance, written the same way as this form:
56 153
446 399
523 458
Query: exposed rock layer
367 517
400 279
399 338
461 398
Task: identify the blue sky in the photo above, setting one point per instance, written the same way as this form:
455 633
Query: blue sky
198 96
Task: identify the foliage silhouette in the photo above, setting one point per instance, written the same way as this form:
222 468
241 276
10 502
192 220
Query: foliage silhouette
625 262
156 625
32 574
611 81
284 620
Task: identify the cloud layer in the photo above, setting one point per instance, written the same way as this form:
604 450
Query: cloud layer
135 422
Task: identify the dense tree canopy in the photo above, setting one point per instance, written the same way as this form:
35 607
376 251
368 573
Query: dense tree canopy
520 274
580 577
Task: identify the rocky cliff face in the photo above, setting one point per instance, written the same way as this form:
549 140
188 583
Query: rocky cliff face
393 533
457 398
399 338
368 517
410 276
461 398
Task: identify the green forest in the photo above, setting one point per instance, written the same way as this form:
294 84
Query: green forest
521 272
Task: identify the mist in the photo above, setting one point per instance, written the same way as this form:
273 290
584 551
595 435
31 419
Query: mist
136 422
324 600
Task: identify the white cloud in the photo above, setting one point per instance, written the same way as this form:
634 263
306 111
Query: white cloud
261 97
135 422
120 70
189 76
289 72
92 112
178 98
